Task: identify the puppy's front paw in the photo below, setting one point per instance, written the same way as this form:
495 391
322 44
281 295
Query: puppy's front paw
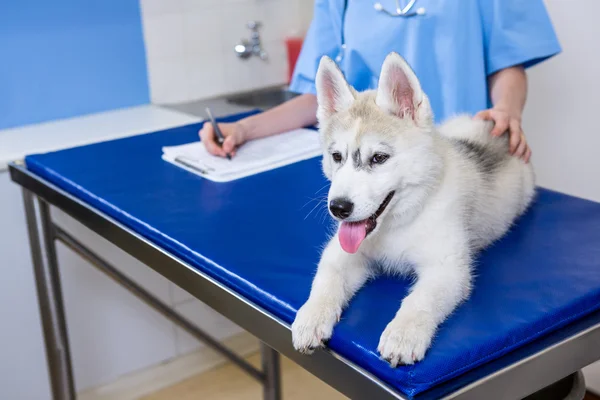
313 326
405 340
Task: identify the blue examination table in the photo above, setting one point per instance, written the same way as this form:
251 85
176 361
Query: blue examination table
248 249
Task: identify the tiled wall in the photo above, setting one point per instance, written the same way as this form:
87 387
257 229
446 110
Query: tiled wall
189 45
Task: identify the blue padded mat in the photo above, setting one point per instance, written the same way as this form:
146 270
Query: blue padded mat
259 236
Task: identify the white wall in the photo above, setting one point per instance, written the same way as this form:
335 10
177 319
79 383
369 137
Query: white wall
561 115
560 120
111 332
23 371
189 45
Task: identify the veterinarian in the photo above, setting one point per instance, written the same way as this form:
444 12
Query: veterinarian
470 55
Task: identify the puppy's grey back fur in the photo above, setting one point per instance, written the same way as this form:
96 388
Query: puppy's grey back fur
473 140
505 182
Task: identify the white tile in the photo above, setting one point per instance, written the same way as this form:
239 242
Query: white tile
243 75
305 14
23 370
281 18
235 17
275 70
202 32
163 36
134 269
198 5
208 320
206 75
111 332
161 7
168 81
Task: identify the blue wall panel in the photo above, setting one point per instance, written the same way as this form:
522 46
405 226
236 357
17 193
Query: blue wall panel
63 58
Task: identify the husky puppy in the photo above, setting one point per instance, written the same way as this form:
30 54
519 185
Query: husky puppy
410 197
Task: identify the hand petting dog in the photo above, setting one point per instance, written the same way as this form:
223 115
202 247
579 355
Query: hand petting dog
508 92
506 121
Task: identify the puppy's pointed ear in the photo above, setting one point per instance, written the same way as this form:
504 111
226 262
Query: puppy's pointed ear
399 92
333 92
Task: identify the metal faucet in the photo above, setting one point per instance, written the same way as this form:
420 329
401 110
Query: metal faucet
247 48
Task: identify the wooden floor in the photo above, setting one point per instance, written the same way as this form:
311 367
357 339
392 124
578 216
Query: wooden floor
229 382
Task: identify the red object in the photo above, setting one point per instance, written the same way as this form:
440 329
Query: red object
294 45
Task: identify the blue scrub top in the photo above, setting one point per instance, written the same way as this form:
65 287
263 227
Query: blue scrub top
452 48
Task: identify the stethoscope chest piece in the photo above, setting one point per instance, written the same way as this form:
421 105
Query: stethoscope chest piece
400 11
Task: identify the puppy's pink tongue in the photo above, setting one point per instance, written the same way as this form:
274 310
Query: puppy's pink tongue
352 234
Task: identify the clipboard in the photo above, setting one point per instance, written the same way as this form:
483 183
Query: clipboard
254 157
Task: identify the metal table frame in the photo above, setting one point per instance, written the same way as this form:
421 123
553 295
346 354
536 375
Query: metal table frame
541 367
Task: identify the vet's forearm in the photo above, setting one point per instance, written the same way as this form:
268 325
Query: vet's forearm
299 112
508 90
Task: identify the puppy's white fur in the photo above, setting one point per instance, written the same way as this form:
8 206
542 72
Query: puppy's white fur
457 189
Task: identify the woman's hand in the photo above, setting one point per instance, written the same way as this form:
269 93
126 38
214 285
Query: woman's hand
506 121
292 114
234 134
508 90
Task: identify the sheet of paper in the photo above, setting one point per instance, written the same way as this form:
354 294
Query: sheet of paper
253 157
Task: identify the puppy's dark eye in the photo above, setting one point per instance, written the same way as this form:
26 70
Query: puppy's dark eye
337 157
379 158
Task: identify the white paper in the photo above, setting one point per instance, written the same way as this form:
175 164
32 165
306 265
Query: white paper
253 157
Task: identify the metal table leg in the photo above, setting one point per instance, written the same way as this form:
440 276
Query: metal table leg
52 312
50 301
271 369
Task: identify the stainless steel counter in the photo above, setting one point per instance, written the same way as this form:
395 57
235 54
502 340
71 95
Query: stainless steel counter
235 103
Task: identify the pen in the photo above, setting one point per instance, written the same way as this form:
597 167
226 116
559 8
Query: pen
220 137
187 164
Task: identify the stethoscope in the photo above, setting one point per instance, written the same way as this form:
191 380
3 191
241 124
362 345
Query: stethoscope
401 12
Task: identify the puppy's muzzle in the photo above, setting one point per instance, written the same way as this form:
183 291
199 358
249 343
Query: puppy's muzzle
341 207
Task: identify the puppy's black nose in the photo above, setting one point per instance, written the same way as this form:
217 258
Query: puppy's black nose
341 207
